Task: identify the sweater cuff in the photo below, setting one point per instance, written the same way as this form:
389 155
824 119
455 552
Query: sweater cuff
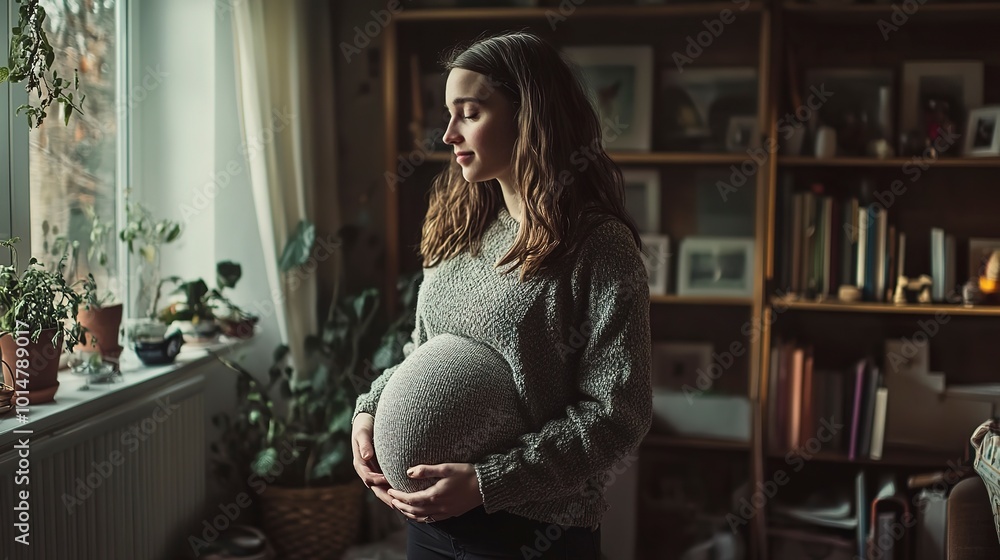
496 496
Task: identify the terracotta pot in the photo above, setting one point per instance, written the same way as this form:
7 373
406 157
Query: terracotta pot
103 324
43 364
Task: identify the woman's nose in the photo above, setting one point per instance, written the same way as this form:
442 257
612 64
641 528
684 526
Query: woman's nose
451 136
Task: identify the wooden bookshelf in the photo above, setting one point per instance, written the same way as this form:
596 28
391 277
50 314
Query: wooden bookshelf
887 308
961 162
891 458
632 158
869 13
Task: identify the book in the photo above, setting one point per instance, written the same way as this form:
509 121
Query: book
809 423
878 423
872 382
937 264
795 397
858 386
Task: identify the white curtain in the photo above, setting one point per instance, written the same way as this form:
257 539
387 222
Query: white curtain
285 92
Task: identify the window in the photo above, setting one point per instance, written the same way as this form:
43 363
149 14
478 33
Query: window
73 175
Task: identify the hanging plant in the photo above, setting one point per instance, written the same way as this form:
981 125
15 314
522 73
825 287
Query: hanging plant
30 60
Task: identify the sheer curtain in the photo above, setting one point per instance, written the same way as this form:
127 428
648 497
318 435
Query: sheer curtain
285 92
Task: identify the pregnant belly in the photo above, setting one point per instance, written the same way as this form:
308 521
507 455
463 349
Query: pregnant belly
452 400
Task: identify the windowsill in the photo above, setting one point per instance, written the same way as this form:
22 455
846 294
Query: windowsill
72 402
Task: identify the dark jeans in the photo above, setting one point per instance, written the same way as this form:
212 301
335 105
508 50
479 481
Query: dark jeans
476 535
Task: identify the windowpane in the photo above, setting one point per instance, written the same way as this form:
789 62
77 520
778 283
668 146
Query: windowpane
73 168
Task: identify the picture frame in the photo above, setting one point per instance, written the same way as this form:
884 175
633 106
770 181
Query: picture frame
675 365
742 133
619 80
698 104
716 266
642 197
983 137
980 250
959 82
656 258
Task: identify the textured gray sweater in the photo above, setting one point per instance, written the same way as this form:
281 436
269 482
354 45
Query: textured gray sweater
577 341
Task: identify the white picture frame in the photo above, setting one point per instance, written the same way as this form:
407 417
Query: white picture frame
716 266
656 256
642 197
963 77
982 138
742 134
619 80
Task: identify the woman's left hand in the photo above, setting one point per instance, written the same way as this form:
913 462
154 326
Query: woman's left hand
456 493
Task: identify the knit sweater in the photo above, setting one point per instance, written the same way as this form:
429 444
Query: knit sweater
577 340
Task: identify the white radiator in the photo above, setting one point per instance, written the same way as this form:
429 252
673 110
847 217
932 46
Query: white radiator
146 490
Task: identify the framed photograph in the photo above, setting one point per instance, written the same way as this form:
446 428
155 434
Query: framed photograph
980 250
859 95
642 198
983 138
620 80
699 104
656 257
742 133
940 94
676 364
715 266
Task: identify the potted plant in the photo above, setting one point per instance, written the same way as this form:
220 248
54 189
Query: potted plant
34 307
311 508
233 320
192 314
100 313
145 236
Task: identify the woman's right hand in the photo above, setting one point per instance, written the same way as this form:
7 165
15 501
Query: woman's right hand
365 462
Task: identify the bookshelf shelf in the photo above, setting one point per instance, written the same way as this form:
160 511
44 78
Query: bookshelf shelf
887 308
671 299
654 440
907 458
864 13
542 13
962 162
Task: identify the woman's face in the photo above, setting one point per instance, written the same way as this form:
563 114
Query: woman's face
481 127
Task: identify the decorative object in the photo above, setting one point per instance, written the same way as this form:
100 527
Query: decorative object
676 365
980 250
621 87
159 351
858 109
937 96
847 293
699 104
983 138
716 266
30 58
656 257
742 133
642 198
145 236
826 142
907 290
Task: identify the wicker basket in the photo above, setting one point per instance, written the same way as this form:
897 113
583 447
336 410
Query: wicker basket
312 523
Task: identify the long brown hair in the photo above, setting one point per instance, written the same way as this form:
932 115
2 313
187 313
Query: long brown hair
566 181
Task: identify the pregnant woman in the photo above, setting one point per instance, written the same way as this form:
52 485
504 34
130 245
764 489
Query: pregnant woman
527 379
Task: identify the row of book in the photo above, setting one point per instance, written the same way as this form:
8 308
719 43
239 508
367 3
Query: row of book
838 411
829 242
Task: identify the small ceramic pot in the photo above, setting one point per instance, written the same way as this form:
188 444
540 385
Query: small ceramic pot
159 352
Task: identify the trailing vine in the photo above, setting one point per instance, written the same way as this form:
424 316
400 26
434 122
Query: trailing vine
30 60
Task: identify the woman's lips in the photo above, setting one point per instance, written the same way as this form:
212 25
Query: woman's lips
463 157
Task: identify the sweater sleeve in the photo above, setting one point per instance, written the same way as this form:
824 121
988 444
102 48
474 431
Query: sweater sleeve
368 402
613 380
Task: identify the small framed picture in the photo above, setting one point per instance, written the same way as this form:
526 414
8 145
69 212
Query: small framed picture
620 80
676 364
983 138
656 257
742 133
938 95
642 198
716 266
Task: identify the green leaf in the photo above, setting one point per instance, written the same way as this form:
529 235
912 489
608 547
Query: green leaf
4 74
227 274
331 460
299 246
264 461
